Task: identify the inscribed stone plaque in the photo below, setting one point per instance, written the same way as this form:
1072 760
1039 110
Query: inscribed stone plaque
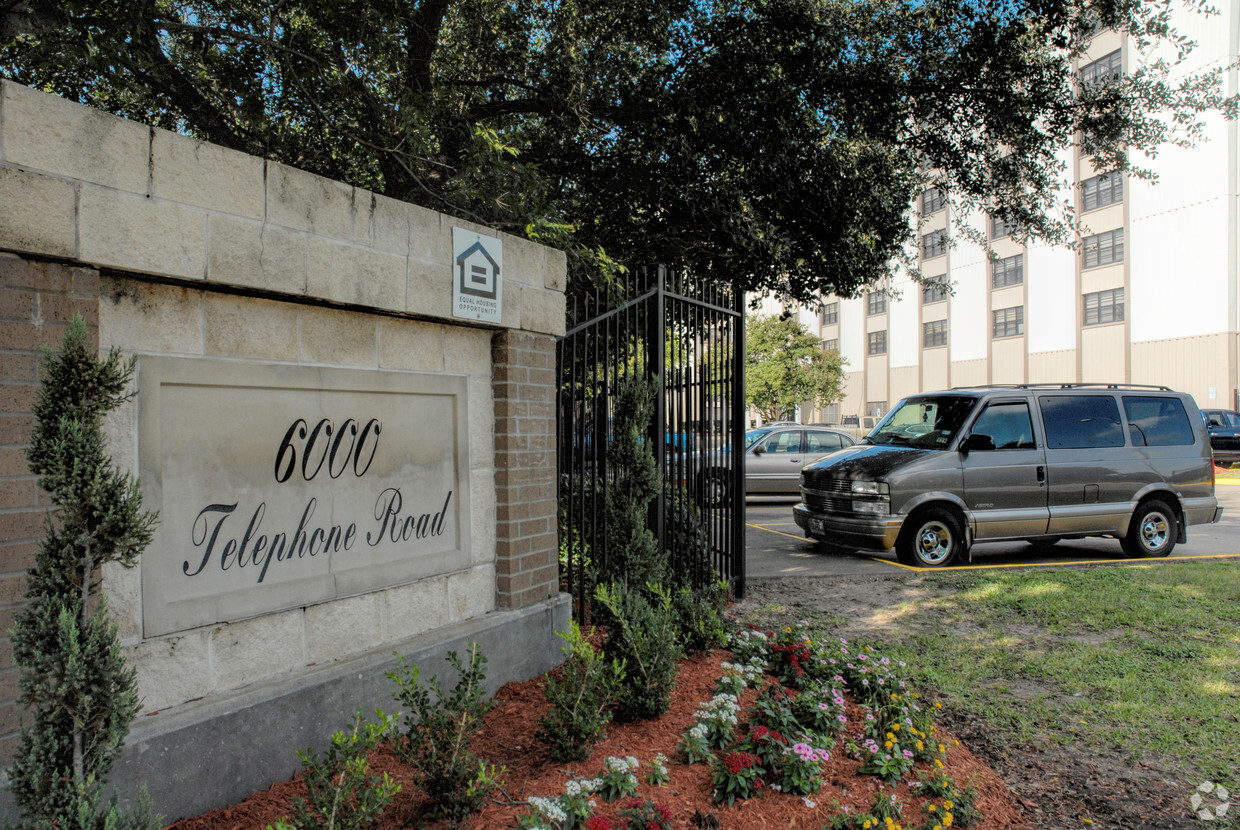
283 486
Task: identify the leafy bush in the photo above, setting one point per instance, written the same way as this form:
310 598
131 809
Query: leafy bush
344 793
618 778
580 694
699 616
642 634
437 735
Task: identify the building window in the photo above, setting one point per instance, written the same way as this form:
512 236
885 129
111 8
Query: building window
933 200
934 293
878 342
1104 307
1103 190
1009 322
934 244
1000 228
934 334
1010 271
875 409
831 314
1104 71
1104 248
832 345
876 302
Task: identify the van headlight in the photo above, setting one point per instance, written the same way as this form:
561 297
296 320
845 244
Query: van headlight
871 497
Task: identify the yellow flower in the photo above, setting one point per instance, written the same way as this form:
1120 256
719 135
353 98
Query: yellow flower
890 737
896 727
931 807
938 827
938 764
947 805
947 820
942 748
920 745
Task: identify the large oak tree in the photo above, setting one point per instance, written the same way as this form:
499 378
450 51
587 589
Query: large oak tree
775 144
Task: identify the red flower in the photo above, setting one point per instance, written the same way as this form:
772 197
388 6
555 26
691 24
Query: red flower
737 762
632 802
598 823
664 812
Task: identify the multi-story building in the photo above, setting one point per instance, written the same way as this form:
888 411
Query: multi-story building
1149 296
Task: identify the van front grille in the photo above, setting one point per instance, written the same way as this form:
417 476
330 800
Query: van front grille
819 502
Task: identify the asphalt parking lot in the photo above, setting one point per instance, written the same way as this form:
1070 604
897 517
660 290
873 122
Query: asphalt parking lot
775 547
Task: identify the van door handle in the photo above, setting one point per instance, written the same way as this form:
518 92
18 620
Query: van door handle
1041 474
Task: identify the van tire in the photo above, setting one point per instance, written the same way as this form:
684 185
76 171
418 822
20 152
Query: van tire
1153 530
931 538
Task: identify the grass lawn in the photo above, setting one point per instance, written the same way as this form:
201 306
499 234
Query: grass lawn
1139 660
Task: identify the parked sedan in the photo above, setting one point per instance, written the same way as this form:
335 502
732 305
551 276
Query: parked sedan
774 456
1224 427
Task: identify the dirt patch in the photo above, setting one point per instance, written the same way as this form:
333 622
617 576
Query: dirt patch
1056 788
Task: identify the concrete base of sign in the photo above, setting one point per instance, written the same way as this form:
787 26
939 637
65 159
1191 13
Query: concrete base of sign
210 754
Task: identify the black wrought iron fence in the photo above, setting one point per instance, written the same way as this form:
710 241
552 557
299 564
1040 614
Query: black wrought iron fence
688 334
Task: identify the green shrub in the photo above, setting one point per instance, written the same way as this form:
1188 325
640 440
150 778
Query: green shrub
78 692
633 555
643 634
437 735
580 694
344 793
699 616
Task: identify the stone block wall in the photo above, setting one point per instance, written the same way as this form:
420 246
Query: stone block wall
172 248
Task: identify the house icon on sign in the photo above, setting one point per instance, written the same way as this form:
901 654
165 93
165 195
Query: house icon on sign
477 273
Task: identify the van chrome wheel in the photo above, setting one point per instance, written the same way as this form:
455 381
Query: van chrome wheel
933 539
1153 530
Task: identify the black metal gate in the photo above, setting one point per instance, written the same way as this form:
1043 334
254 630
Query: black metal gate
688 334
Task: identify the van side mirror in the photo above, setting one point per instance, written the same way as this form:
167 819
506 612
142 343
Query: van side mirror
977 441
758 450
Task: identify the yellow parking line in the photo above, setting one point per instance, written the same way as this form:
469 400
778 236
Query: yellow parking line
780 532
1060 564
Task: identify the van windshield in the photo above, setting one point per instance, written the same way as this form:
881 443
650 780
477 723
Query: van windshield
926 422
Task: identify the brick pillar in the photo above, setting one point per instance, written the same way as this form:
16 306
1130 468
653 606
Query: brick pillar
526 536
37 300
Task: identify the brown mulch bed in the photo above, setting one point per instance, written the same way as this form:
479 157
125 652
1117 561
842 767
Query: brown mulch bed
507 739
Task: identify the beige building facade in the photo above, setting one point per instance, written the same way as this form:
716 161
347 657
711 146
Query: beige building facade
1148 296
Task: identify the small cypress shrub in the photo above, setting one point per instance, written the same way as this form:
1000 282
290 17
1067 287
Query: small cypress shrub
580 694
633 554
80 694
699 616
643 634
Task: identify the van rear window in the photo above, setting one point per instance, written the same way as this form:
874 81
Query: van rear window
1157 422
1080 421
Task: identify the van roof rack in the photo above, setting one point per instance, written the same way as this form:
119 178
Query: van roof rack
1069 386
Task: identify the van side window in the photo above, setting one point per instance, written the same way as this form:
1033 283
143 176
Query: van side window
1079 421
1008 424
1158 422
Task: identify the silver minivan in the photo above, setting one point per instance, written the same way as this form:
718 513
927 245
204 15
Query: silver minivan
1038 462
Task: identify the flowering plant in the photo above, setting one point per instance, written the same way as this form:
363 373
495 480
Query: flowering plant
820 711
618 779
749 645
657 775
739 676
736 775
773 709
765 743
800 770
888 760
642 814
719 718
694 745
571 810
